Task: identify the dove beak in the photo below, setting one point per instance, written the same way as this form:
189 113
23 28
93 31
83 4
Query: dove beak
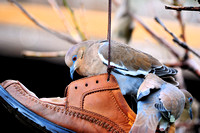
190 113
72 69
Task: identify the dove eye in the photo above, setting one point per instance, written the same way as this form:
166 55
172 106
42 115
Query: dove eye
74 58
190 99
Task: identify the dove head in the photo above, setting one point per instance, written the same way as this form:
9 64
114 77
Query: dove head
74 56
188 102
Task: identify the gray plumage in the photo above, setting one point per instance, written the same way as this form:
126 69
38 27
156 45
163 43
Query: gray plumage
159 105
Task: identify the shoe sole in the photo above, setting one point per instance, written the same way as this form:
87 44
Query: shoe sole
27 116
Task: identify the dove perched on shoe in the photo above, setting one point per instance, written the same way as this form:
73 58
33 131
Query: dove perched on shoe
160 104
130 66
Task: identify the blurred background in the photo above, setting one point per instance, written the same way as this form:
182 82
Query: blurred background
48 76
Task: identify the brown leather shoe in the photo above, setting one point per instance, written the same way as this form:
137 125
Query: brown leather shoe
91 105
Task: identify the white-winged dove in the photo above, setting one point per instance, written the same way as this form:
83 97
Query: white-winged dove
130 66
159 105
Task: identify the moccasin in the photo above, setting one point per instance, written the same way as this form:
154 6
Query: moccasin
91 104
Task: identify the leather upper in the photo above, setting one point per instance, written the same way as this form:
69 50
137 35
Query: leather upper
92 104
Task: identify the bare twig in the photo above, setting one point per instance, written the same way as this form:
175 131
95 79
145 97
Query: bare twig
175 39
80 32
179 17
187 63
156 36
181 8
69 28
58 34
44 54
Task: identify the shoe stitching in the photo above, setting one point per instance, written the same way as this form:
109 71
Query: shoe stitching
104 88
97 121
113 98
96 90
117 105
5 83
91 119
21 91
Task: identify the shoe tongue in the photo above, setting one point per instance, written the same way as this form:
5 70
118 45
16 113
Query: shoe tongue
77 90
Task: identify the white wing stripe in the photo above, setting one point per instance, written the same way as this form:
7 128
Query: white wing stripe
122 69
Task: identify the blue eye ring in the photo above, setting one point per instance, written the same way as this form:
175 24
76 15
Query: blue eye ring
74 58
190 99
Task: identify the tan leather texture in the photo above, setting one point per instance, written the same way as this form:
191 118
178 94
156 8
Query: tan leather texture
93 104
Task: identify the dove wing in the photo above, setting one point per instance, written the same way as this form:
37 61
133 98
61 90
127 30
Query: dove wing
173 99
128 61
151 83
147 118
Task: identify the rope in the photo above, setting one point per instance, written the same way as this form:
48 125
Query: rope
109 68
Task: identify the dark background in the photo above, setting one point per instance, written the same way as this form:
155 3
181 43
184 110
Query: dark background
45 79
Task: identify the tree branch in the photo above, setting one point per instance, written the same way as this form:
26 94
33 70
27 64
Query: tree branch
176 40
78 29
57 34
43 54
69 28
157 37
181 8
187 63
182 25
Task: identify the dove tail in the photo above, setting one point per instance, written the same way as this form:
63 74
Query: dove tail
165 71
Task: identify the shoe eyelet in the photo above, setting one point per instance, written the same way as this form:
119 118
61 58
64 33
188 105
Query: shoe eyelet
76 87
97 81
86 85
